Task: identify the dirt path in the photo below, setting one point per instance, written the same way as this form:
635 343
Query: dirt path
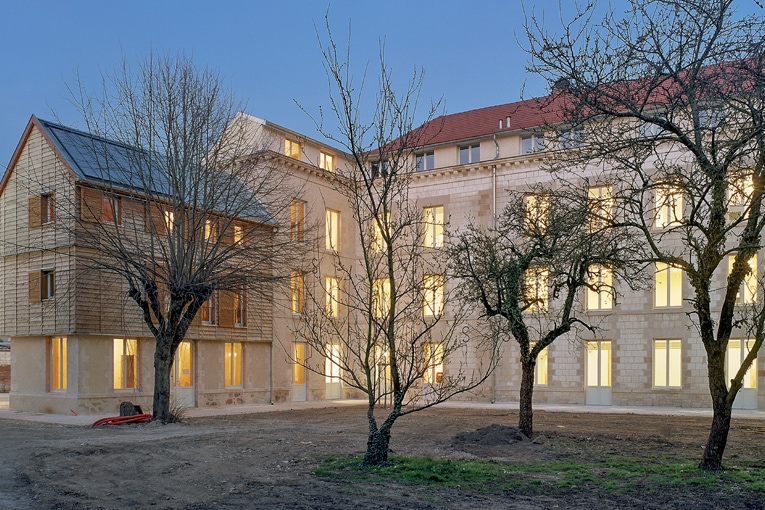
267 460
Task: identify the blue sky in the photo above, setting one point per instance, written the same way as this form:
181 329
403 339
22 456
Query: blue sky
266 51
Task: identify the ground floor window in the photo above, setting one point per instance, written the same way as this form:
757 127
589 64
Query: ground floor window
434 360
125 363
738 349
233 360
298 369
184 374
58 363
667 363
599 363
332 363
540 369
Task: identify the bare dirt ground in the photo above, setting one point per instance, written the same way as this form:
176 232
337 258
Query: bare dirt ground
267 460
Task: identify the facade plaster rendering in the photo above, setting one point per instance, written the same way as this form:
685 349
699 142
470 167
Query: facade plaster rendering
79 345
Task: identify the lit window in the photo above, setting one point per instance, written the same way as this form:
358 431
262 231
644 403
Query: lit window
292 148
110 209
211 230
601 207
599 363
47 208
379 241
332 363
738 349
599 288
669 205
572 139
434 226
125 363
326 161
667 363
434 363
232 372
747 293
210 310
537 212
238 235
536 293
433 287
669 285
540 369
297 292
58 363
332 237
184 365
169 217
470 154
532 143
47 284
240 308
380 297
332 287
298 369
297 221
425 161
740 191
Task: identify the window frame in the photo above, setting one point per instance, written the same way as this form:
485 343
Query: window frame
111 209
233 369
594 356
297 292
240 308
673 297
433 220
433 356
732 366
121 372
532 143
471 152
327 161
572 138
209 310
297 221
57 364
747 291
381 297
433 295
541 366
602 297
600 204
668 203
424 161
670 374
536 289
332 229
332 296
47 284
47 208
291 148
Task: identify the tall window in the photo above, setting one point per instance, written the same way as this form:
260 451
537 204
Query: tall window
540 369
434 362
572 139
210 310
232 357
326 161
747 293
58 363
169 218
211 229
433 302
382 221
738 349
667 363
297 292
599 363
470 154
532 143
537 212
536 293
240 308
110 209
291 148
47 208
601 207
238 235
125 363
425 161
332 230
380 297
669 286
599 288
298 369
669 205
332 363
332 287
434 226
740 189
47 284
297 221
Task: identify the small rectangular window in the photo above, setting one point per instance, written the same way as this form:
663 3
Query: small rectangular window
47 284
298 369
232 371
291 148
425 161
533 143
326 161
110 209
470 154
209 310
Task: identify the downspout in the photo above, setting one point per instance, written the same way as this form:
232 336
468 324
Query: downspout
494 226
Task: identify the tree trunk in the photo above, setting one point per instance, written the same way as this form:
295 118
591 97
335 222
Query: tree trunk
526 418
377 447
163 363
722 405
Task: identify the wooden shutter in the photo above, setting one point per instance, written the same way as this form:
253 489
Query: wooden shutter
35 291
226 309
35 211
155 219
91 204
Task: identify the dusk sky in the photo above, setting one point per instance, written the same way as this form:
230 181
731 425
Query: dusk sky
266 51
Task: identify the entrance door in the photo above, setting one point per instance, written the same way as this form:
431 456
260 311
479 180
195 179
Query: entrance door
299 393
738 349
334 389
183 374
598 390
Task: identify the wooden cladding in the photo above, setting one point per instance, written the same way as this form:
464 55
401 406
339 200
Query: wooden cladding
41 209
91 203
42 285
225 309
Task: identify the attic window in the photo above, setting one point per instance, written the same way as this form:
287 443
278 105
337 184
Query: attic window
500 123
507 122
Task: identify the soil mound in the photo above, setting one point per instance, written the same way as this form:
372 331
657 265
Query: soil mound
493 435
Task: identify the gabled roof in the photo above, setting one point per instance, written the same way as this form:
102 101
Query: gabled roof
101 162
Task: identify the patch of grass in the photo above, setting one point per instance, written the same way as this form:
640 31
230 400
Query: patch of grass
535 477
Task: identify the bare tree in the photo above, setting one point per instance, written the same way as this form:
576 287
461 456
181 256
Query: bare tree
391 314
670 98
549 246
183 201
